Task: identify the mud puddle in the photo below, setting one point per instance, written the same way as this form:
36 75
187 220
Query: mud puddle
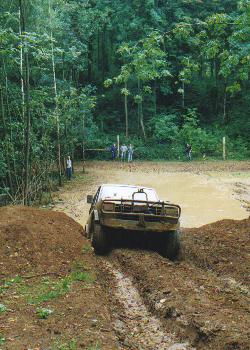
205 197
136 326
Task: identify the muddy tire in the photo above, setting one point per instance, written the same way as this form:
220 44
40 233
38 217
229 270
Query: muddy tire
99 240
170 245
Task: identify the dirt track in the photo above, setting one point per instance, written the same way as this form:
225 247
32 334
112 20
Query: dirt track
140 300
202 301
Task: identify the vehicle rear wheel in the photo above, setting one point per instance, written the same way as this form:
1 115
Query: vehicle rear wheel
171 245
99 240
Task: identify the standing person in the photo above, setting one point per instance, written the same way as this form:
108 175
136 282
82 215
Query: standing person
69 168
113 151
188 150
123 150
130 153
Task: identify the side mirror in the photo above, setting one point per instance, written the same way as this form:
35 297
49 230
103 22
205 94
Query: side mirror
90 198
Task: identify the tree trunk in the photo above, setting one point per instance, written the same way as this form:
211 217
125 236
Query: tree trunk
27 106
140 111
183 94
225 106
142 122
11 149
56 107
126 110
21 71
83 143
10 183
155 99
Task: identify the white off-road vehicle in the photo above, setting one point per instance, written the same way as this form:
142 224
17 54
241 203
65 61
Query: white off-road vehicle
135 209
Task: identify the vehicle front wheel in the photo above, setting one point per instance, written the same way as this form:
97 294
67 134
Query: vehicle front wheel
99 240
170 247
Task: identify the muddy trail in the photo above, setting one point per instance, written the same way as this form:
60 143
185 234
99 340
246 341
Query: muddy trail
202 301
132 299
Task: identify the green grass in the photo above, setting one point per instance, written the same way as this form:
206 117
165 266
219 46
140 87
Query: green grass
2 339
6 284
43 313
3 308
94 347
86 248
48 289
68 345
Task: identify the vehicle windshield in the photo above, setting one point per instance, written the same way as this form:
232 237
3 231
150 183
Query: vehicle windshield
124 192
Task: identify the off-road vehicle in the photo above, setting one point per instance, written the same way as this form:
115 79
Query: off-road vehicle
135 209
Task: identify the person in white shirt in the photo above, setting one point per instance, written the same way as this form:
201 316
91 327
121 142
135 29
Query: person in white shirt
69 168
123 150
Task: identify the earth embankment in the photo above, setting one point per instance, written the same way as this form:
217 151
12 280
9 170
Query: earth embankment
51 295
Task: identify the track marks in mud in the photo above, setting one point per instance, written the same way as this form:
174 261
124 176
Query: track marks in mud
192 303
139 328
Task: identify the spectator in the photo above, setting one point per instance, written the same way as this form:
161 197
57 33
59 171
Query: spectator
130 153
113 151
188 151
69 168
123 150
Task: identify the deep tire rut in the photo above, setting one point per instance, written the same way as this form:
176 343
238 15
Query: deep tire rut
193 305
135 326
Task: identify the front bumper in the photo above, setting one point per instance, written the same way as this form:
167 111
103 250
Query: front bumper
140 222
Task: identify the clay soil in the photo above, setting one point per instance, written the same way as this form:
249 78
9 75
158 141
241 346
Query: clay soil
40 248
132 299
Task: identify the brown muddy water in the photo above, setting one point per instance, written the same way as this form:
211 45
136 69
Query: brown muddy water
204 197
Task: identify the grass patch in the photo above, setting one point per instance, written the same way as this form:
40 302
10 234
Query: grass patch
6 284
86 248
60 345
43 313
48 289
2 339
3 308
94 347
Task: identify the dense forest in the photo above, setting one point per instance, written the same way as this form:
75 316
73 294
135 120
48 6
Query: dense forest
160 73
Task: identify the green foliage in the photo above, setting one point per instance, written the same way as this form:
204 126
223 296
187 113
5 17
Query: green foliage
2 339
65 345
48 289
3 308
43 313
164 127
100 68
6 284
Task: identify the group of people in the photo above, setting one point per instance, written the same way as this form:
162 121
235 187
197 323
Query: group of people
126 152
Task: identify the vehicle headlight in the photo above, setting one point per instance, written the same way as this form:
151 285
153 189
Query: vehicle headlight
108 207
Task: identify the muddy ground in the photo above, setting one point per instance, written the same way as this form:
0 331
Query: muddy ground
133 298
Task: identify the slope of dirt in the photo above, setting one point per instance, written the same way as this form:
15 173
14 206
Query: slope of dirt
45 263
37 240
193 303
223 247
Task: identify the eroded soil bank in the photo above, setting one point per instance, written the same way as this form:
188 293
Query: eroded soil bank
51 294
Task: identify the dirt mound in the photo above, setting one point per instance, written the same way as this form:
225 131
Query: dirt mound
37 240
223 247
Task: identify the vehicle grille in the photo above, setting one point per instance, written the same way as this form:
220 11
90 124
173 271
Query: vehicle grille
124 208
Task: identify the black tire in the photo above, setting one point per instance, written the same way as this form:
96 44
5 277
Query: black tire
86 234
170 245
99 240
